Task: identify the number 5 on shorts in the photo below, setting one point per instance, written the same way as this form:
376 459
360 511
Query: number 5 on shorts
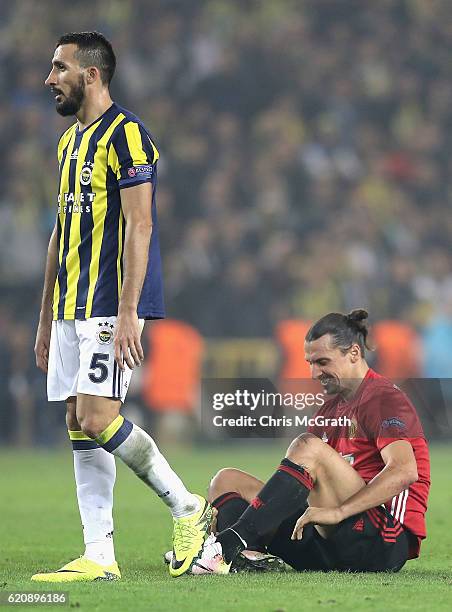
97 363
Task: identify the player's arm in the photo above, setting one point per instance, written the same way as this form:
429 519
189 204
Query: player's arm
399 473
135 203
42 343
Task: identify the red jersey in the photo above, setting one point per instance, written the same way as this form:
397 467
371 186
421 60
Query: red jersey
381 413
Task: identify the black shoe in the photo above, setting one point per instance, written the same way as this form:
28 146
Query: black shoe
254 561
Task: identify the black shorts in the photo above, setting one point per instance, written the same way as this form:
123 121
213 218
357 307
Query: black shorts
372 541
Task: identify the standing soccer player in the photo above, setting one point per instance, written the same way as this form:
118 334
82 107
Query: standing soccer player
102 279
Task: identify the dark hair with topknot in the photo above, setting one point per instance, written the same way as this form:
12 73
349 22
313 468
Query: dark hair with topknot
93 49
345 330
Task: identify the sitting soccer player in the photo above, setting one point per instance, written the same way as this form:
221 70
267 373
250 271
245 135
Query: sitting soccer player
350 498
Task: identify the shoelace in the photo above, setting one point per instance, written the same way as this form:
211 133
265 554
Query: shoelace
184 536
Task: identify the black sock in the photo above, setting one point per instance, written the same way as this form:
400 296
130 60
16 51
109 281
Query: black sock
285 492
230 507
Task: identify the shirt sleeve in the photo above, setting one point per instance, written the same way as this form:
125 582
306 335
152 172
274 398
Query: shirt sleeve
133 156
390 416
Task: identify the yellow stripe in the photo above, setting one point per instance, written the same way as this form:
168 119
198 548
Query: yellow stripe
113 162
65 138
108 433
156 153
77 435
64 188
73 257
134 144
99 177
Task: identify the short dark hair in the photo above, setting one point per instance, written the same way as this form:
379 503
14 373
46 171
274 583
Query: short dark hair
345 330
93 50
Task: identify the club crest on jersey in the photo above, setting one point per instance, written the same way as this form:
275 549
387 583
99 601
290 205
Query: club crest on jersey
104 334
86 173
353 429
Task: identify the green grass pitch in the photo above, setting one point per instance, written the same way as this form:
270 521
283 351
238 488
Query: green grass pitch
40 529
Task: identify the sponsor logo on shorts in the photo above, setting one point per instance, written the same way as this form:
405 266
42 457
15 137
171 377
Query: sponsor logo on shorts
359 525
104 334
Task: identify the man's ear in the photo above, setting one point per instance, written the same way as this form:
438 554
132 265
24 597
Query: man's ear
91 75
355 353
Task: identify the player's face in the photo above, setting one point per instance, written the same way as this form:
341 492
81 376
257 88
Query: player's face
329 365
66 80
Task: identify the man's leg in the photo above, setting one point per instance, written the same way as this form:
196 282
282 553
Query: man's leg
95 470
95 475
100 420
335 480
312 471
230 492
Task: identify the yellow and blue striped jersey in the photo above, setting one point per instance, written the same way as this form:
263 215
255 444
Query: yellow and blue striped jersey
113 153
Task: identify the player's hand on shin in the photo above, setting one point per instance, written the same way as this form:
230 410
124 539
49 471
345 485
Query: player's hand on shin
316 516
42 344
127 340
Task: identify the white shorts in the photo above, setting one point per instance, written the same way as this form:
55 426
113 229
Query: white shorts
82 360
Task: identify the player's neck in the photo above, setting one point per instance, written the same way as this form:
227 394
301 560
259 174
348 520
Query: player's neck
352 384
92 109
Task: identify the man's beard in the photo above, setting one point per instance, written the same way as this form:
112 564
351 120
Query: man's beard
332 386
70 105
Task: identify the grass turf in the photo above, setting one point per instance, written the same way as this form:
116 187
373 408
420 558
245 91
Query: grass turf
40 530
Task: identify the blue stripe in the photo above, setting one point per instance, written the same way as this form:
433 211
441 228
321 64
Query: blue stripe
122 434
119 375
115 366
84 444
136 180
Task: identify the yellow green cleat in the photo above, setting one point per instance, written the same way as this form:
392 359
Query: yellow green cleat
189 535
81 570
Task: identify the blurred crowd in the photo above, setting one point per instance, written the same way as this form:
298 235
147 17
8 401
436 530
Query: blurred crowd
305 157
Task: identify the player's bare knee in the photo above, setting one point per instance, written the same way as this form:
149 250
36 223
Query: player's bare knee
221 483
92 427
305 448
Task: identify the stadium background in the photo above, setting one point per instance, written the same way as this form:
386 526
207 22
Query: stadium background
305 167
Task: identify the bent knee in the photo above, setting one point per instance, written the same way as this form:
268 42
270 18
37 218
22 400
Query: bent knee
91 427
224 481
305 447
233 480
